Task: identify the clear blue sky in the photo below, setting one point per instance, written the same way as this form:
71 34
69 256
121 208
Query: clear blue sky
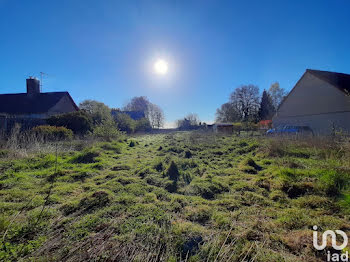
104 50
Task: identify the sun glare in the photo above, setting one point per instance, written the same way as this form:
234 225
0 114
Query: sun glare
160 67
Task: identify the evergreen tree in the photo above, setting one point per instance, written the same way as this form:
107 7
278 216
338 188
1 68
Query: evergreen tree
266 109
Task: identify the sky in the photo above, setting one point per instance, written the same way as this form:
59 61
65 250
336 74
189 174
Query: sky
105 50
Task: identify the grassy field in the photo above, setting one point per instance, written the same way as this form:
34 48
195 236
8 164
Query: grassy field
175 197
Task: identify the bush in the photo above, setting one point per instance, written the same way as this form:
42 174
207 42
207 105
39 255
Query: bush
143 125
125 122
79 122
249 126
97 111
107 131
53 132
237 127
333 182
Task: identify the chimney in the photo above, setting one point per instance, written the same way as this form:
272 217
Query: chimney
33 86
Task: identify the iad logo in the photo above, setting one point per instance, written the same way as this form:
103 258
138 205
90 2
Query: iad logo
334 256
334 239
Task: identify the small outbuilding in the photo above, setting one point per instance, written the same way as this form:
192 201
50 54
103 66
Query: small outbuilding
226 128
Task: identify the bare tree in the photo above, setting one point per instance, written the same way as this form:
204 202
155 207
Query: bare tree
155 115
277 94
245 101
152 112
191 121
193 118
227 113
138 103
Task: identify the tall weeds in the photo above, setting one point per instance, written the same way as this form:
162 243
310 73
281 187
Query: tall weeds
22 143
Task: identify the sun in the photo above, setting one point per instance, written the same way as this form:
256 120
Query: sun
160 67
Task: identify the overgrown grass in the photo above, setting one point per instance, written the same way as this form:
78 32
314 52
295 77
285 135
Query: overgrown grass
182 196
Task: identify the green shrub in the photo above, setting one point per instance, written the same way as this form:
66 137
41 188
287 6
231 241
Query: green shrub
237 127
97 111
142 125
333 182
249 126
52 132
107 130
125 122
79 122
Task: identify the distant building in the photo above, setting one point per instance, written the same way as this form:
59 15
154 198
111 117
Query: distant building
135 115
223 128
33 108
319 100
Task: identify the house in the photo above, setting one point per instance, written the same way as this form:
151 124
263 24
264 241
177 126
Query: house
33 108
319 100
223 128
135 115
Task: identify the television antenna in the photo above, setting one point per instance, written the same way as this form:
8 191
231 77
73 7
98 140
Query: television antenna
42 74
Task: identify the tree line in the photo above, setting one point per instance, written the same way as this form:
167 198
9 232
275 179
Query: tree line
97 118
246 105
